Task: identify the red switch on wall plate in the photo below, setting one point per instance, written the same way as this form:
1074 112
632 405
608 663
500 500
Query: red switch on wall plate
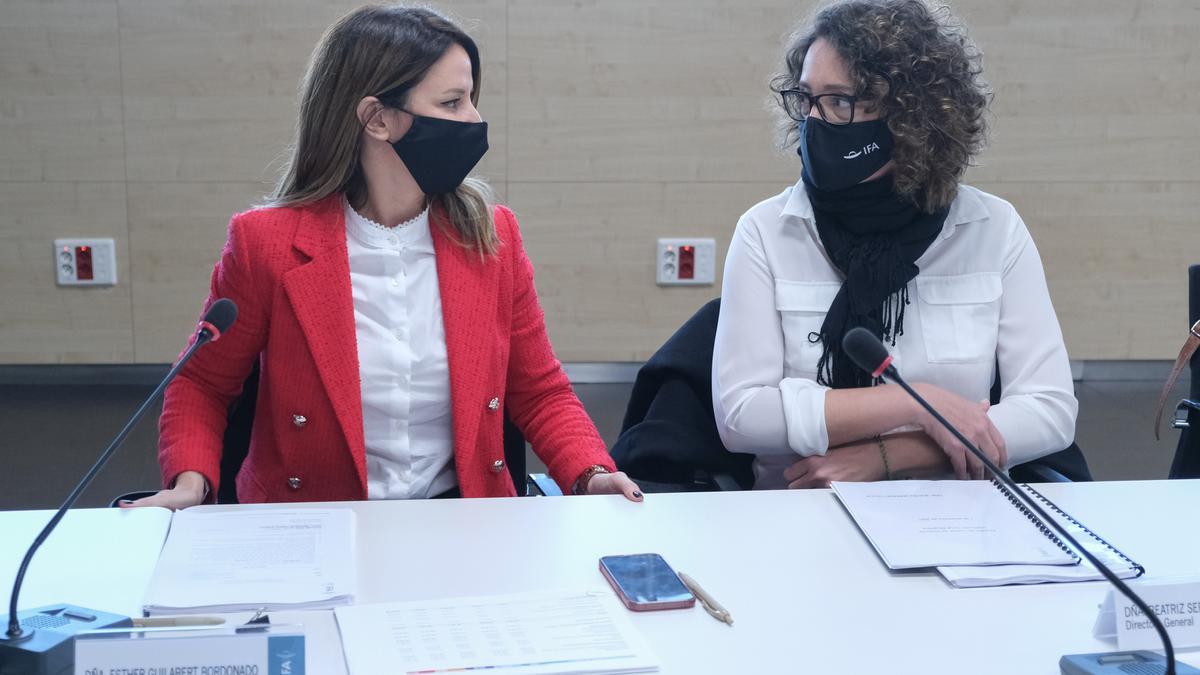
83 263
687 262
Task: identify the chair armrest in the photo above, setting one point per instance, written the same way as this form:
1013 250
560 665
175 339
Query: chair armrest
541 485
725 482
1183 411
1043 474
130 496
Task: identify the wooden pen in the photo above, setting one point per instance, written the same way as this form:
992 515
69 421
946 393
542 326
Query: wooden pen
710 604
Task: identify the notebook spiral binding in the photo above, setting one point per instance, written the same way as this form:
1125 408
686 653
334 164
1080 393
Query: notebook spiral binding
1033 518
1054 507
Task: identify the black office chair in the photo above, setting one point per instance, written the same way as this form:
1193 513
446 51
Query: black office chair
669 440
1064 466
236 445
1187 416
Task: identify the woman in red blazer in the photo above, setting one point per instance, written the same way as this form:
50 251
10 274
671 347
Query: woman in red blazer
388 132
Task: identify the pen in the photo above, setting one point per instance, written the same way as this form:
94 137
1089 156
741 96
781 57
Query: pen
710 604
178 621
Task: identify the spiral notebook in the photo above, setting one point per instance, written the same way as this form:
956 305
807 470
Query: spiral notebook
1002 575
917 523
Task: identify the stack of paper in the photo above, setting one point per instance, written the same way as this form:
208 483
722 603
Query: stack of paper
1001 575
974 533
542 633
243 560
926 523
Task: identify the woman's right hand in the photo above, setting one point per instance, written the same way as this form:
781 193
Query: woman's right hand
190 489
972 420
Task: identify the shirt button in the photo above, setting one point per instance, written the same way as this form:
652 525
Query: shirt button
392 240
294 483
395 283
299 421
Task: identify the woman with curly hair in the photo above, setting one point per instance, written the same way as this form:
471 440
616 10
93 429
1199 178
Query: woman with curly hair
886 103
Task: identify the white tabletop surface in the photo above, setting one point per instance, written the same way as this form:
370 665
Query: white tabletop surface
807 592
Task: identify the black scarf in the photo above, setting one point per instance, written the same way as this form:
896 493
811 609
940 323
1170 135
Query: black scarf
874 238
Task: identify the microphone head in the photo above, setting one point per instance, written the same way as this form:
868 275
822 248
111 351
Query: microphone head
221 315
866 351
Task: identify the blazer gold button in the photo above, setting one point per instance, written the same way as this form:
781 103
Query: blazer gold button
494 404
294 483
497 466
299 421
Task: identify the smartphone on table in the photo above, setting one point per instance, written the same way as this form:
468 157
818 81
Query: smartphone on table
645 582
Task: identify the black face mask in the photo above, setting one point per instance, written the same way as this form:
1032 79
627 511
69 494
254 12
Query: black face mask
838 156
439 153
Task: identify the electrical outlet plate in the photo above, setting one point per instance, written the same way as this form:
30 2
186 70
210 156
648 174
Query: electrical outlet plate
71 264
673 258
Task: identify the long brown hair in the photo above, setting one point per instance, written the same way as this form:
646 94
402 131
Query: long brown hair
919 67
382 51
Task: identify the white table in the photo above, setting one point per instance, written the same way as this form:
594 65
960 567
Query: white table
807 591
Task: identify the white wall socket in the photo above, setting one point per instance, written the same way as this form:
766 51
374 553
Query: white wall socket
85 262
686 262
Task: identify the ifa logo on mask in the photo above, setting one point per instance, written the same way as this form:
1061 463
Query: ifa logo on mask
868 149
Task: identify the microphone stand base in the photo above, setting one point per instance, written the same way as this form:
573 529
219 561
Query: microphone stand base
47 643
1119 663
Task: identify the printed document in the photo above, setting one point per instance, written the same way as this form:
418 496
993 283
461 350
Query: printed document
1001 575
230 561
925 523
541 633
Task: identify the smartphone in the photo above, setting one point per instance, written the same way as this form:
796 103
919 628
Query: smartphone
645 582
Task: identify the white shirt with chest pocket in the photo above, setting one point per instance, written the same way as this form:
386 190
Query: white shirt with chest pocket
979 300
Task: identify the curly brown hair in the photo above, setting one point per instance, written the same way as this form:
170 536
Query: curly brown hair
918 67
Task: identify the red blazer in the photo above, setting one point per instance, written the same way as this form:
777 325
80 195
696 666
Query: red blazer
288 271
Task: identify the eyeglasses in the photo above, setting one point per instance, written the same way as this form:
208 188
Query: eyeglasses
833 108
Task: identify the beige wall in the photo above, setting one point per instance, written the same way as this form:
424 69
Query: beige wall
613 122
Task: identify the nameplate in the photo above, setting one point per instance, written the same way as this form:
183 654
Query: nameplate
1176 602
266 650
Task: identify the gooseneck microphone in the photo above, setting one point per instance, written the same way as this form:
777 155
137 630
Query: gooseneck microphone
39 640
868 353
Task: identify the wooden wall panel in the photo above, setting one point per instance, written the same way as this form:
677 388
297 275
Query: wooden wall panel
592 247
177 231
210 88
40 322
632 90
612 123
1116 257
211 94
60 92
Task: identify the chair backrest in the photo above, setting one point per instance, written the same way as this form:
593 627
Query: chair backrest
1066 465
669 434
514 456
1187 453
669 440
236 443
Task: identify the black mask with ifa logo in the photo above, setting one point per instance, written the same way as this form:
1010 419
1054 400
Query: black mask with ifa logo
839 156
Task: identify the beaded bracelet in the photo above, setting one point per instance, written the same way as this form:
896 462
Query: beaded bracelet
887 469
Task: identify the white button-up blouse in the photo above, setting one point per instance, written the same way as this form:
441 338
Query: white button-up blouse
979 300
401 358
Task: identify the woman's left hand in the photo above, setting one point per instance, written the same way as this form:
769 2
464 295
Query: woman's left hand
857 462
613 484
